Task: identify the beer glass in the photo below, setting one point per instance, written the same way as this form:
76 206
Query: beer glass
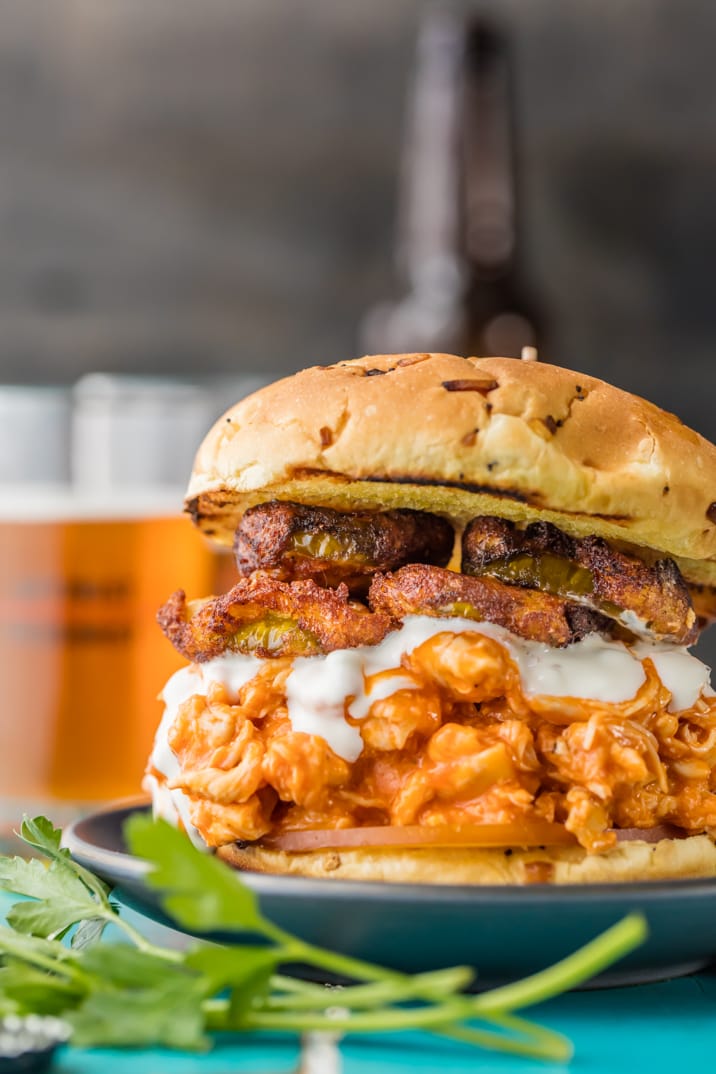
92 541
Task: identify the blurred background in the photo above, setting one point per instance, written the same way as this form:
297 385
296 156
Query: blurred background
196 197
212 187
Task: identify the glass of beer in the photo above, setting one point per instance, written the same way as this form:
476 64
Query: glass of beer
84 565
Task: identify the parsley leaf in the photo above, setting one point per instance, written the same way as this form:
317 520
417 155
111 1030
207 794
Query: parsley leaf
65 893
137 994
88 932
40 834
120 966
62 897
35 950
33 878
49 917
200 892
246 971
34 991
227 967
171 1015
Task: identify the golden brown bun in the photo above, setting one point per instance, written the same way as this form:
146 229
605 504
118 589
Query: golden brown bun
629 861
466 437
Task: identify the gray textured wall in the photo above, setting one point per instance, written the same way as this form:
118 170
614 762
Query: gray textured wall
210 184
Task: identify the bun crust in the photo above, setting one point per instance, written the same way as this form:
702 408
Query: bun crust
462 437
668 859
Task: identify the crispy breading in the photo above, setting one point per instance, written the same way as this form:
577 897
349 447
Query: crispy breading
422 590
657 595
650 600
294 541
703 598
267 617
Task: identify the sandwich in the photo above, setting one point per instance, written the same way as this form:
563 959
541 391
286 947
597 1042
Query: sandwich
457 647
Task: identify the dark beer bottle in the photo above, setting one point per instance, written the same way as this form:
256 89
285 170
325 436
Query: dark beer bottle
458 215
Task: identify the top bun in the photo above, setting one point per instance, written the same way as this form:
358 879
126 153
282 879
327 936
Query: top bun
463 437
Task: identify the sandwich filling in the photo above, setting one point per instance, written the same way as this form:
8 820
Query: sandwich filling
351 684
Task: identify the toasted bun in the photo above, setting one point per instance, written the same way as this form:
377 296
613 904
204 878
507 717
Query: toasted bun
463 437
668 859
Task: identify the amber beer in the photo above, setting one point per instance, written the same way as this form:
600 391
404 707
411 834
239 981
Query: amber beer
82 659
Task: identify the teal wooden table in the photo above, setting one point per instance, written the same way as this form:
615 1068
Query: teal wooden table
658 1028
669 1027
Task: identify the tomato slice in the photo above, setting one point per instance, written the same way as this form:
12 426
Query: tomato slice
520 834
650 835
525 833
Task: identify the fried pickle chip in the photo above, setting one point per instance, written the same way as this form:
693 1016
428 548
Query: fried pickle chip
422 590
293 541
266 617
651 601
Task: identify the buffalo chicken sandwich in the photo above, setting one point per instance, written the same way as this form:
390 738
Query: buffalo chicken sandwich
457 651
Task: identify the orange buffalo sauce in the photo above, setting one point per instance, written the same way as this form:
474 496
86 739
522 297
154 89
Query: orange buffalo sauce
457 745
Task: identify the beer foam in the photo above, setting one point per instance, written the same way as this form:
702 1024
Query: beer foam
57 503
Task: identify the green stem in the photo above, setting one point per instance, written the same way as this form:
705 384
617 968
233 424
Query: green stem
60 965
437 985
343 965
295 984
216 1015
139 941
537 1041
541 1044
571 971
372 1022
443 1017
546 1043
531 1030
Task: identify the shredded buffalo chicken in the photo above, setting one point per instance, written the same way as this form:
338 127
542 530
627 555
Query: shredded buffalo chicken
465 747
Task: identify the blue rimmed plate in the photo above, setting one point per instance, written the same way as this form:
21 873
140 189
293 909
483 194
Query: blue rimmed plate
504 933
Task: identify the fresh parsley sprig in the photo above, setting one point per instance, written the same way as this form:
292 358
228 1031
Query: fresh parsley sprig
65 893
56 961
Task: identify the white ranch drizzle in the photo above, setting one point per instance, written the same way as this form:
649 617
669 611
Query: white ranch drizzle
319 686
683 675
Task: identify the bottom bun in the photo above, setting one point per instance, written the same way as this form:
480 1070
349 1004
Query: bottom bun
669 859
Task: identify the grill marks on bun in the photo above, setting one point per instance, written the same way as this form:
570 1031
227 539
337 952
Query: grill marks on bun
546 442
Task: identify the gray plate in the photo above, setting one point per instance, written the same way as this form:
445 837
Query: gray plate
504 933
